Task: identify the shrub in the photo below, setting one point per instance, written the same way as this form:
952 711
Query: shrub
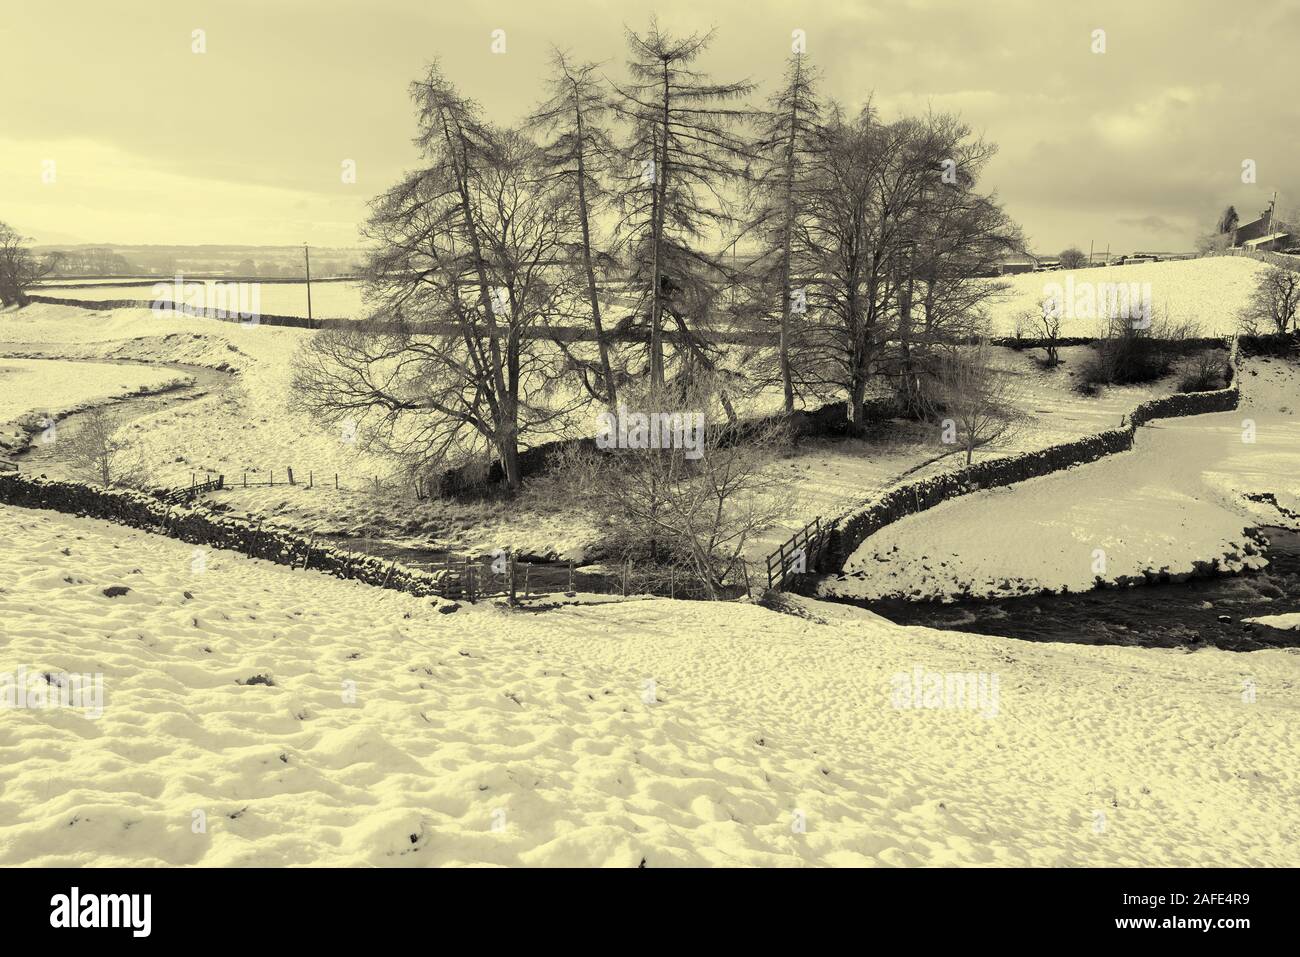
1204 372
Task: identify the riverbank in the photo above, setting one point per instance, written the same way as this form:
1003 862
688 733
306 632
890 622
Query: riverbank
1182 502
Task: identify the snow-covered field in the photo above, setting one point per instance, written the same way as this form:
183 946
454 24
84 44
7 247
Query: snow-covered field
835 476
1176 499
1207 292
666 732
251 428
332 300
50 386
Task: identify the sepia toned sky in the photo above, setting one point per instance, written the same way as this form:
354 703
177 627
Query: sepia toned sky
1136 148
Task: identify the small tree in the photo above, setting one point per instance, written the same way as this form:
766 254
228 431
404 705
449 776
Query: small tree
693 510
1044 324
19 267
95 454
1073 258
1274 302
977 400
1228 221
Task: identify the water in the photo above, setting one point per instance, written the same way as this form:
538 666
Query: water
1170 615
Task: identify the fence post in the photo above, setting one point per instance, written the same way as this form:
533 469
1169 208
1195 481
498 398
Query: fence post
527 570
511 573
744 567
570 574
307 557
290 476
627 564
245 476
310 478
336 481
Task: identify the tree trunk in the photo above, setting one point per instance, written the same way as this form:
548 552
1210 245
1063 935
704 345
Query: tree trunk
611 392
787 241
656 237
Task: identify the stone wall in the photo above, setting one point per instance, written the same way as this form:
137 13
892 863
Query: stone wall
845 533
198 526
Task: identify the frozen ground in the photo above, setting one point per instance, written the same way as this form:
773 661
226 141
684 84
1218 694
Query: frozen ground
656 731
1178 498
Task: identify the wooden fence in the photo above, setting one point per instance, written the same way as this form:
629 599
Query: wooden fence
797 555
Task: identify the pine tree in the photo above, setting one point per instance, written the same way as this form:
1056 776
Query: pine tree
789 142
578 154
682 156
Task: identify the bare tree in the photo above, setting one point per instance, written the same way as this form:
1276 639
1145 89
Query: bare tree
1073 258
788 145
977 400
1044 324
1228 221
19 267
95 453
1274 301
667 507
682 153
448 368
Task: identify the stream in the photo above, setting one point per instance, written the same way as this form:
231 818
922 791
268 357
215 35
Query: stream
50 459
1196 613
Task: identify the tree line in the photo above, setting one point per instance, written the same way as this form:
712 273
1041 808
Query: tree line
657 206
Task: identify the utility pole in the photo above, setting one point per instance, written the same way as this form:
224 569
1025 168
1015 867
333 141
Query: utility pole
307 257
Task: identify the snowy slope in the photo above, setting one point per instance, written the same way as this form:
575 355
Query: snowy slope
488 737
1176 499
1209 292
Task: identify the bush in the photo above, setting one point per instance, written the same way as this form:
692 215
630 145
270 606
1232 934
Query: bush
1130 354
1204 372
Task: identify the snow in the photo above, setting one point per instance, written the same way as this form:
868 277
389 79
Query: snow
1209 292
1176 500
835 476
50 387
1291 621
488 737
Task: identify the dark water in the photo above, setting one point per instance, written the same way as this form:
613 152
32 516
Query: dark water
537 576
1155 616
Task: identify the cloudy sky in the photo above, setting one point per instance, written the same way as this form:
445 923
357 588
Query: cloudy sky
1138 147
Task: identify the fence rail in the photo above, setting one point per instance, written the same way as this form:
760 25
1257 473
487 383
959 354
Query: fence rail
796 555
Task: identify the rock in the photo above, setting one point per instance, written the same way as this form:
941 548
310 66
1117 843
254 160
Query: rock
114 591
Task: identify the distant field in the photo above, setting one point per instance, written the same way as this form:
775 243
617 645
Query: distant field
1209 292
329 300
